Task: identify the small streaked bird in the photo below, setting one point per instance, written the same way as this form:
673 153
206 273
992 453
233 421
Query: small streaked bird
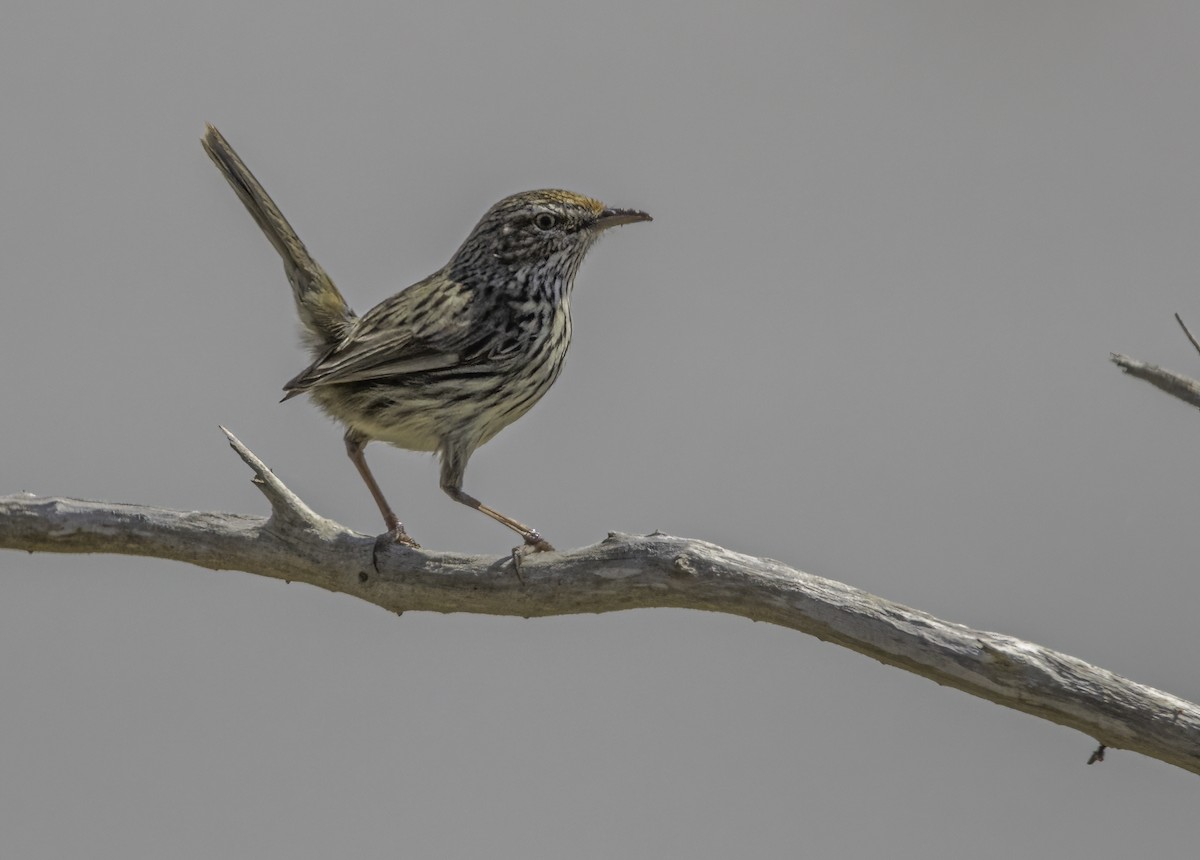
452 360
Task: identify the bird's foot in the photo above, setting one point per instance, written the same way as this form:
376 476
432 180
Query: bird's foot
534 542
400 536
403 539
395 530
394 535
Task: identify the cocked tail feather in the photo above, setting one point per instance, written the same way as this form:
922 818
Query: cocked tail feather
323 311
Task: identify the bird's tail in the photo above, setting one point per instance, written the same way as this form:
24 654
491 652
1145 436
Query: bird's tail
324 312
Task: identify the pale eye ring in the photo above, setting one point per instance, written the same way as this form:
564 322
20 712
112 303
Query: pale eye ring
545 221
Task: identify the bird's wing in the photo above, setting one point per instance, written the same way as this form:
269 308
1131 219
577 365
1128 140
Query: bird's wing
426 327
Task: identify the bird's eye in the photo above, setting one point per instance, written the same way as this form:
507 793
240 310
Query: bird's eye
545 221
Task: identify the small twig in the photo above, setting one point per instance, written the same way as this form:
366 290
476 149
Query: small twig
285 505
1179 320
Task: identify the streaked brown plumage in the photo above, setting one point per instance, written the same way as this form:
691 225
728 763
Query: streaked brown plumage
452 360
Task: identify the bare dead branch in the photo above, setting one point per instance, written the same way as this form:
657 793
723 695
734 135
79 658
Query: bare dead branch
1183 387
621 572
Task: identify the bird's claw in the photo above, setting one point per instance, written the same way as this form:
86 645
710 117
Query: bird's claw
534 542
400 536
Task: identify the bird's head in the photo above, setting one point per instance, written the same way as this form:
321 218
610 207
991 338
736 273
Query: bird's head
538 227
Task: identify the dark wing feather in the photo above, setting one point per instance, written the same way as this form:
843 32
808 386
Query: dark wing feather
428 326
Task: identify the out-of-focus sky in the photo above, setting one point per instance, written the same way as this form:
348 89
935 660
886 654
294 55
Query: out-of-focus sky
867 334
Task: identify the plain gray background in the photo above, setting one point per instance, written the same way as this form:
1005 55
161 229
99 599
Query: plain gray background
866 334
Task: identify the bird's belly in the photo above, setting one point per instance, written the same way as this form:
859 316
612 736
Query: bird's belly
423 419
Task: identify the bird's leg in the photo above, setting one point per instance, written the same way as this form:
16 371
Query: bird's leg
355 443
453 468
534 542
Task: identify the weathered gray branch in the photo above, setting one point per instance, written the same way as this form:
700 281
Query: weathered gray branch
1177 385
622 572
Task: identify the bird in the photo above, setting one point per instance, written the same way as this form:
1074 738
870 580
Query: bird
447 363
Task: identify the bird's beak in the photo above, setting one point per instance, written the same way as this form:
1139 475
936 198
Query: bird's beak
616 217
